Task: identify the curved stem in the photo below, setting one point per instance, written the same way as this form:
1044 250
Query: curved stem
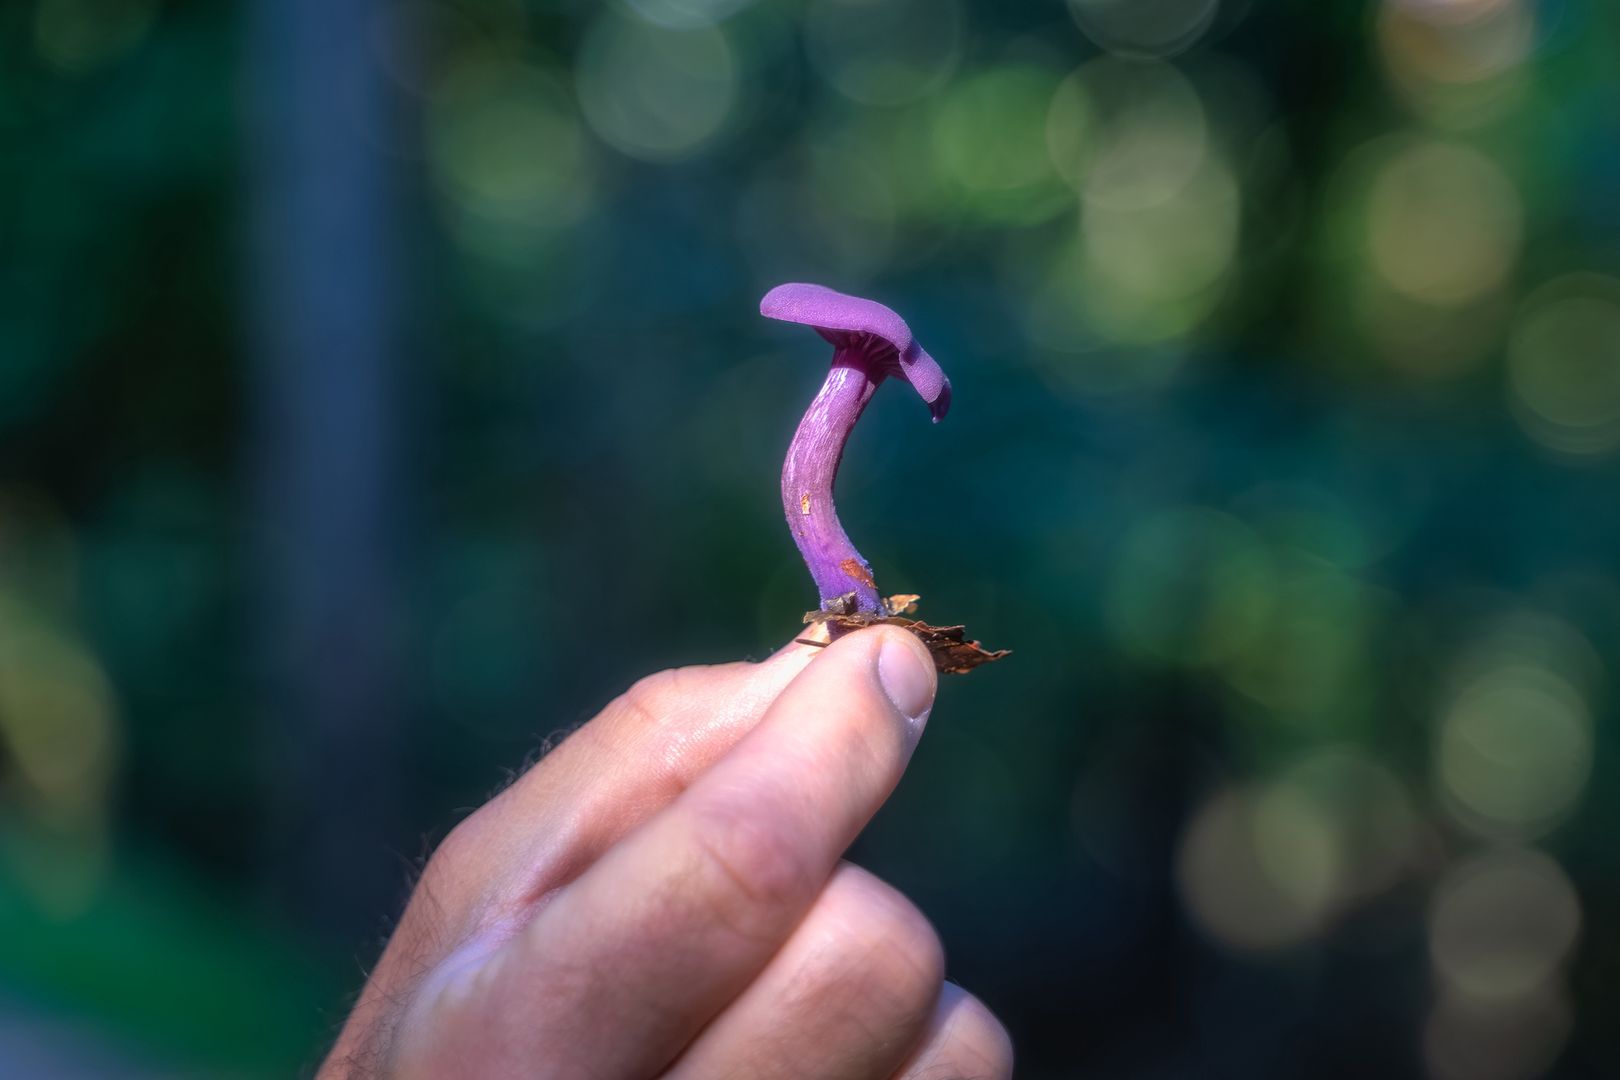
808 475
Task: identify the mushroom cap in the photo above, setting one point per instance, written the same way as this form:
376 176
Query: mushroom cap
850 321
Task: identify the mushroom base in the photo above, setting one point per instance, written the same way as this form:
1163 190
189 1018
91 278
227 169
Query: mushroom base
953 653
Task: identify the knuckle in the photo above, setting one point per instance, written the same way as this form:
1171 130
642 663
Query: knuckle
647 703
443 895
459 845
679 718
753 876
902 959
874 959
659 710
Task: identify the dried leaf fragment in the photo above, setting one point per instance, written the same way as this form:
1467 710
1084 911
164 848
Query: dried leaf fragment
953 654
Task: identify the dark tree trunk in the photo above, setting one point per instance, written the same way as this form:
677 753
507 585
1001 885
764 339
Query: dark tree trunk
325 388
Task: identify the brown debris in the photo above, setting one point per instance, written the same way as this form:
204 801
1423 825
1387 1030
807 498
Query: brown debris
953 653
900 603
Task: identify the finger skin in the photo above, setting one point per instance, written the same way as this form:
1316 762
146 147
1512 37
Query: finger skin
642 751
848 996
964 1042
619 971
493 870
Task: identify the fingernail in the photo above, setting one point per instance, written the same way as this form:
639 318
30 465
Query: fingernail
908 678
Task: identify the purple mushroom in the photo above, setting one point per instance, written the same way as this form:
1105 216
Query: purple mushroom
870 343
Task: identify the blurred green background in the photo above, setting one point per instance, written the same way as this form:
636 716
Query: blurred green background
382 390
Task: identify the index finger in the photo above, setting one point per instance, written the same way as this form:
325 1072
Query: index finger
627 963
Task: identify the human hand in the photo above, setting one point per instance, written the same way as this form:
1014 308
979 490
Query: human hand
663 895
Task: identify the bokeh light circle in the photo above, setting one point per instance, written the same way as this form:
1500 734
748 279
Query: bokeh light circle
1370 812
1515 749
1458 64
884 53
1443 223
1273 866
1563 365
1258 876
1160 219
1127 134
1502 923
1467 1038
989 143
1153 272
1153 27
1057 302
509 155
1449 11
1514 739
57 719
1456 42
686 14
654 92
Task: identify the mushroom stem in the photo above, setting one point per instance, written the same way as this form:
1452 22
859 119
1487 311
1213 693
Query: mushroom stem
809 472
